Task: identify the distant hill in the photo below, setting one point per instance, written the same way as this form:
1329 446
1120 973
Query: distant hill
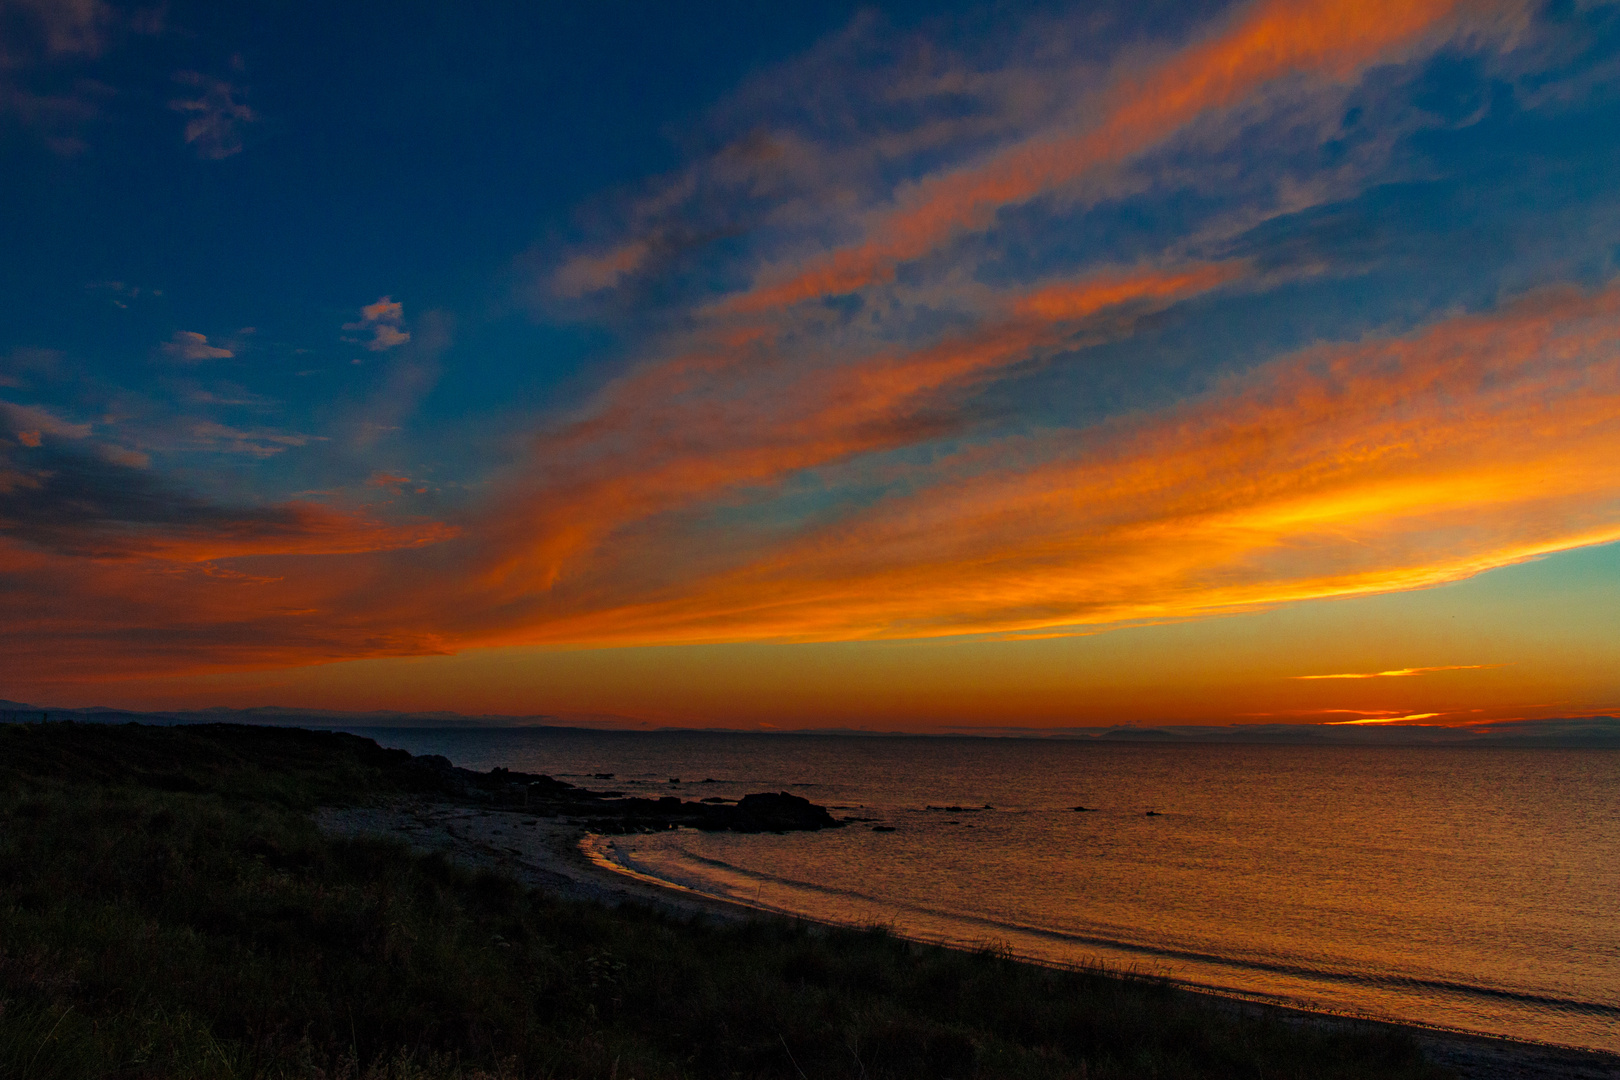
1593 731
274 716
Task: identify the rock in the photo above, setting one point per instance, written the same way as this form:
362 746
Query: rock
778 811
883 828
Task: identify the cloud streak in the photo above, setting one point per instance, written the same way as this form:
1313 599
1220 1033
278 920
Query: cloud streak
1394 464
190 347
384 321
1265 42
1409 717
214 129
743 415
906 403
1400 673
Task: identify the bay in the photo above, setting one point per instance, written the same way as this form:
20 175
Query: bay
1471 888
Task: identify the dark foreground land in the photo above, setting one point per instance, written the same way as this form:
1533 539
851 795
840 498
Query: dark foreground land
168 908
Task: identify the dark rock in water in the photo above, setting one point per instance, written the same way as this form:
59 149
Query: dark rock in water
883 828
610 812
1151 813
602 776
1084 809
773 812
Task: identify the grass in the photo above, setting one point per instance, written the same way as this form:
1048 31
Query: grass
168 909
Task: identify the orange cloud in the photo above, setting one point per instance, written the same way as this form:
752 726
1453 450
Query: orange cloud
741 416
384 319
271 588
1077 300
1401 672
585 274
386 309
189 346
1384 720
294 529
1392 463
668 442
1343 470
1267 41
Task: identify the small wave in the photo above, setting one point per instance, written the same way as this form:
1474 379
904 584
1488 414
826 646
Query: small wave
1162 951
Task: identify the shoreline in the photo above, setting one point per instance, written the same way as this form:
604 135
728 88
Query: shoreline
548 853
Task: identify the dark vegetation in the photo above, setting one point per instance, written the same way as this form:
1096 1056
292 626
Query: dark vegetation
168 909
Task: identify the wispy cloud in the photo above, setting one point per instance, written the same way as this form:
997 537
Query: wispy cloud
411 372
1391 463
42 43
259 443
795 151
1385 720
1338 471
384 321
741 414
29 424
1400 673
214 129
190 347
92 504
589 273
69 27
122 294
864 430
1263 44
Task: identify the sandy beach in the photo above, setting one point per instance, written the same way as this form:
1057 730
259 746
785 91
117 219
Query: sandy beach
553 854
539 851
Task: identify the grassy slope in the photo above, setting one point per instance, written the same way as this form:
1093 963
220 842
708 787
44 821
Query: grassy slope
167 909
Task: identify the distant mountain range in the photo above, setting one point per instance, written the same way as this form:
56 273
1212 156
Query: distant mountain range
1596 731
273 716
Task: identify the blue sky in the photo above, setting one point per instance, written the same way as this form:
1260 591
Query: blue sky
334 340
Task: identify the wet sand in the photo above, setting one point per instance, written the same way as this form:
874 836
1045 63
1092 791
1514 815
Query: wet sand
538 851
546 853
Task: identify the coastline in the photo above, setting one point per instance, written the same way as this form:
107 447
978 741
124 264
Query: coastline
547 853
538 851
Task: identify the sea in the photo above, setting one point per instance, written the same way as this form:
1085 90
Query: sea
1460 887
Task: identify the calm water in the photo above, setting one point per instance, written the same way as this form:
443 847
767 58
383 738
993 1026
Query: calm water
1464 887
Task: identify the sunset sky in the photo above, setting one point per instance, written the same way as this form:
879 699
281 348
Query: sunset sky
905 366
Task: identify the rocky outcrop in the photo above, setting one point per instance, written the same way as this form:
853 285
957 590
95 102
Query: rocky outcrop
776 812
610 812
